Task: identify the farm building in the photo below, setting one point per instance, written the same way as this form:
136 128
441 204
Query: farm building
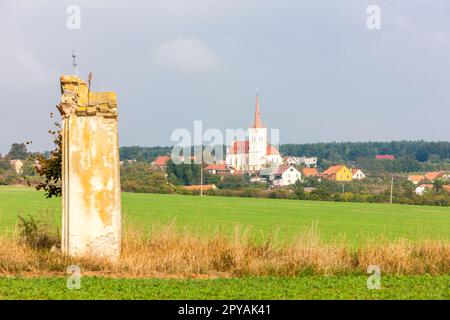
384 157
310 172
416 179
204 187
338 173
281 175
160 162
219 169
358 174
17 166
431 176
423 188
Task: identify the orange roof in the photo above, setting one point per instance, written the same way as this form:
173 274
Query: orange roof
243 147
308 172
239 147
447 188
426 186
161 160
385 157
204 187
257 123
282 169
433 175
416 178
217 167
332 170
271 150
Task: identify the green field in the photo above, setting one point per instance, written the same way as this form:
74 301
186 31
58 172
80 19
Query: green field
354 221
320 287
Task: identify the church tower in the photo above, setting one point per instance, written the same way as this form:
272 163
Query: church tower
257 137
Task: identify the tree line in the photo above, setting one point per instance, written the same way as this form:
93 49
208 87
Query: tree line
421 151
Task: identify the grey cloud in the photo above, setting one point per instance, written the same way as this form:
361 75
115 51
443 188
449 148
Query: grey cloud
322 75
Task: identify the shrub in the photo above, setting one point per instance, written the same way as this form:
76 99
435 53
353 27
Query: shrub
36 234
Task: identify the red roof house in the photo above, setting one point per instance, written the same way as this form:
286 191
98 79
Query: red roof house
219 169
160 162
385 157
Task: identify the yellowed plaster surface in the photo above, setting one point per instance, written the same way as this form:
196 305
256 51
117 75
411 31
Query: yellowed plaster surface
91 180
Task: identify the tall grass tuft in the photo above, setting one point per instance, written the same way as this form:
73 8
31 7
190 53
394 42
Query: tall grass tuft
167 251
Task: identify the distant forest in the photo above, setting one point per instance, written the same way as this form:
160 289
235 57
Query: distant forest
421 151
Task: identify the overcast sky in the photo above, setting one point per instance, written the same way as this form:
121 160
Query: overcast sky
321 73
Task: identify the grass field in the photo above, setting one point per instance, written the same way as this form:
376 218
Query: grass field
311 287
355 221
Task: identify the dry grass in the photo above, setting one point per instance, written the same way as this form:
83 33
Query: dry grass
168 252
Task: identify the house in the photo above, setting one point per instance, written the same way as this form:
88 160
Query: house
384 157
338 173
423 188
309 162
198 187
281 175
416 179
291 161
358 174
122 162
255 153
431 176
17 166
310 172
447 188
160 162
219 169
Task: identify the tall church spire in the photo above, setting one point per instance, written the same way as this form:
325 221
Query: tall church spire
257 123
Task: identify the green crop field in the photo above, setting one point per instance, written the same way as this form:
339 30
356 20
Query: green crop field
309 287
354 221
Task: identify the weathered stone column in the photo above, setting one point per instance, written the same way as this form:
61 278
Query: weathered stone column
91 218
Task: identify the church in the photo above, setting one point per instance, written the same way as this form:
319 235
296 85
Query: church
255 153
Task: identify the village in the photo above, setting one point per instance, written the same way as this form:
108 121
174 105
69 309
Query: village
263 162
255 163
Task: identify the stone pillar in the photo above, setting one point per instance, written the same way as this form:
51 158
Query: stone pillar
91 198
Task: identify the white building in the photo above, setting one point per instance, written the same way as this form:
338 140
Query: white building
17 166
256 152
291 161
306 161
423 188
358 174
309 162
281 175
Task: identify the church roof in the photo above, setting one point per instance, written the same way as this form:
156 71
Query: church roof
257 123
271 150
239 147
243 147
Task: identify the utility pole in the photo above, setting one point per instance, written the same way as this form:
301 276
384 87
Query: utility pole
74 62
201 172
392 189
89 87
343 189
392 184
